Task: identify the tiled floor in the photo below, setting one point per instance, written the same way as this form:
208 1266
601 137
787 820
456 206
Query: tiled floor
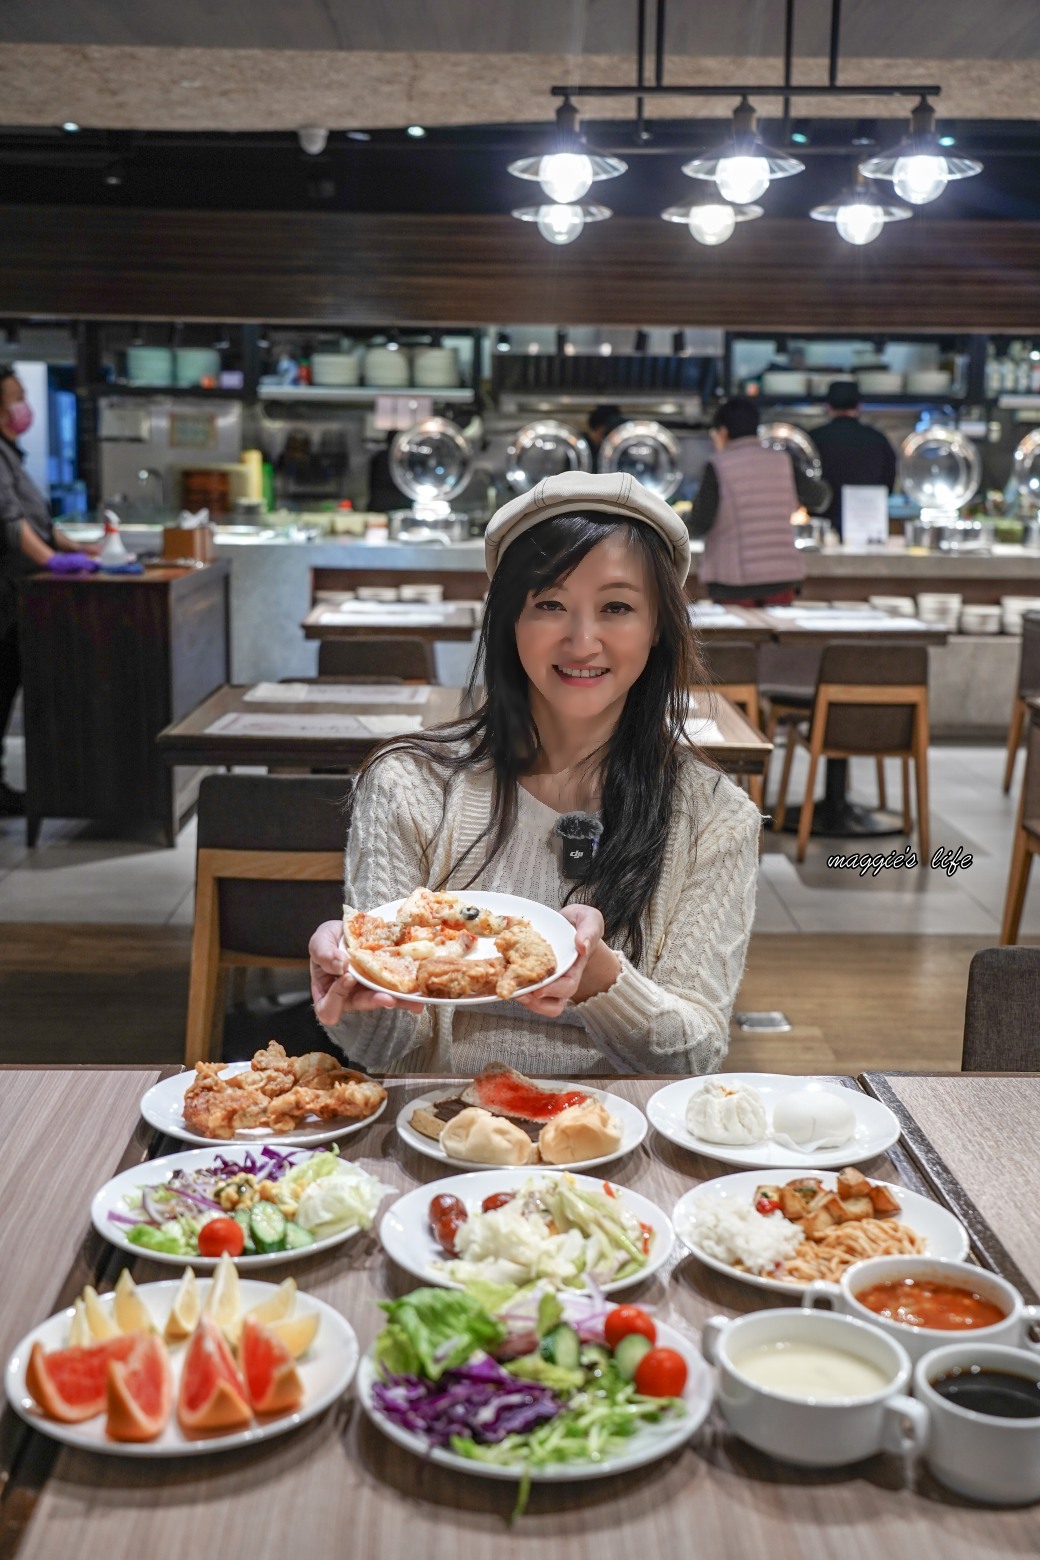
75 875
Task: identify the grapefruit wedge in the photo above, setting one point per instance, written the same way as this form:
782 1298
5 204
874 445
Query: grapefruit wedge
212 1396
139 1391
70 1384
271 1377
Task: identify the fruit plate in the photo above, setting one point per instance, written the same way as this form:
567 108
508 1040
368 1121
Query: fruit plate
326 1369
633 1125
163 1107
876 1126
113 1198
945 1237
555 928
406 1235
647 1445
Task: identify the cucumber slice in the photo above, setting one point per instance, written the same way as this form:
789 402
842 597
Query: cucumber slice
296 1237
268 1225
241 1216
561 1346
628 1354
597 1359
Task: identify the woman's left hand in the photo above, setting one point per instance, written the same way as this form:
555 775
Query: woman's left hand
551 1000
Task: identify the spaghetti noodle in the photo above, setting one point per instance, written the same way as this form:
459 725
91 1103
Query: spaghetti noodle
839 1247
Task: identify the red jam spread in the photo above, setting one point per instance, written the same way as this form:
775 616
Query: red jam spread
522 1099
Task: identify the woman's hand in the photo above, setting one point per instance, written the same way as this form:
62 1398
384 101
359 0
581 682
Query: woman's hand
334 990
595 968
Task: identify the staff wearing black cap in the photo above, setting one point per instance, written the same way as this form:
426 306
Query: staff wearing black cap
851 453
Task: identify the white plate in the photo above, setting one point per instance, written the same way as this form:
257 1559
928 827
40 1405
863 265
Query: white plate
633 1126
556 930
649 1443
405 1227
876 1127
326 1370
163 1107
112 1198
944 1235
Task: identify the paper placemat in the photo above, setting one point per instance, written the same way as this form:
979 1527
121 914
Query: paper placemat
720 619
386 613
705 733
240 724
341 693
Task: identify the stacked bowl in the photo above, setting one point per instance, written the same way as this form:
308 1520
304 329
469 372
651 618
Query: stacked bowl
334 369
895 606
1014 608
437 368
980 620
941 608
387 368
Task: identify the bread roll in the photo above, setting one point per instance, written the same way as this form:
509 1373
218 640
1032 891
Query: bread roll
485 1139
586 1131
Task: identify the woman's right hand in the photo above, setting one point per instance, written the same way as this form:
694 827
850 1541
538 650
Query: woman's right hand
334 989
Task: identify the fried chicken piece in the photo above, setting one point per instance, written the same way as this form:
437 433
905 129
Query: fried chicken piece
361 930
351 1101
278 1092
456 978
529 958
388 968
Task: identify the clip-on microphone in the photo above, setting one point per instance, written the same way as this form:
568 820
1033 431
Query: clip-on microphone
579 834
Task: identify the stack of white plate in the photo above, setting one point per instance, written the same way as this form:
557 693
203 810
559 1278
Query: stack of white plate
1013 608
896 606
387 369
784 381
928 381
980 620
437 368
432 595
879 381
940 608
149 365
377 593
334 368
851 606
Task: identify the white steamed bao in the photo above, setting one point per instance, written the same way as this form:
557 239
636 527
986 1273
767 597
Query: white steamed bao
811 1119
727 1113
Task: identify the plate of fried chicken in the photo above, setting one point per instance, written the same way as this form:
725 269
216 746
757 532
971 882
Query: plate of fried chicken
468 947
274 1098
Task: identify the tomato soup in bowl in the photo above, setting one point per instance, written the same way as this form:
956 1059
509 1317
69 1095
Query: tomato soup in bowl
929 1302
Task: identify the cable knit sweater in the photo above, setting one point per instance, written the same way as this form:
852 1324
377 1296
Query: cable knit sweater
670 1015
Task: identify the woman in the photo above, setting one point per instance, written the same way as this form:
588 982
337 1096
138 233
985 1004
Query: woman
588 654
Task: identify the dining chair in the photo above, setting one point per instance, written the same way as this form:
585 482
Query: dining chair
871 700
269 869
1001 1022
1028 688
1027 835
733 672
391 657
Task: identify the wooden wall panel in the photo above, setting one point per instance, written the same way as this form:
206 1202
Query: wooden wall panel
368 269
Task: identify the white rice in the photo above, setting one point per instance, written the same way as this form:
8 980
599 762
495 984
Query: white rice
734 1232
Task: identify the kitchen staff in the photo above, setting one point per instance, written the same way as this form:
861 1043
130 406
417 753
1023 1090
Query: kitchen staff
587 656
28 541
743 511
601 421
852 454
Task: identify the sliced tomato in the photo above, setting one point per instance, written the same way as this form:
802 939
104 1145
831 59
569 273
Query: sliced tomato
626 1319
661 1373
218 1236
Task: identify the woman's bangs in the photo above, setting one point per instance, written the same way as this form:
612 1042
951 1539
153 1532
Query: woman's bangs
559 545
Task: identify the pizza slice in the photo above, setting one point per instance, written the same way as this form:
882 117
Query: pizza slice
395 971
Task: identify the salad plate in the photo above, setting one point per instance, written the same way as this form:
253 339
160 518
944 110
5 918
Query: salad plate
174 1196
877 1128
633 1125
326 1370
163 1108
520 1250
943 1236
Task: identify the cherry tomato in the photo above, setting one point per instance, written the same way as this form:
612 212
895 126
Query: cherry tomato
496 1200
443 1205
766 1205
661 1373
220 1235
446 1229
625 1319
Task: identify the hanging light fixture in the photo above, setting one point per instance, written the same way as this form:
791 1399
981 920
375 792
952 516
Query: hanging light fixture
711 221
567 170
744 167
561 223
919 167
859 214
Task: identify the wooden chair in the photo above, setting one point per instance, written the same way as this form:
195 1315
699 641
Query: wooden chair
1027 835
1001 1022
269 869
733 672
871 700
1028 688
391 657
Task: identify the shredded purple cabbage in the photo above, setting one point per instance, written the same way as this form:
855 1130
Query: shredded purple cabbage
480 1400
191 1187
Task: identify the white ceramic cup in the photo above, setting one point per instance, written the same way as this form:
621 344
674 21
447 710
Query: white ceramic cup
984 1457
825 1434
1013 1331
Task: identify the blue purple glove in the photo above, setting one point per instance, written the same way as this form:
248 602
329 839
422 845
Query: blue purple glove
71 563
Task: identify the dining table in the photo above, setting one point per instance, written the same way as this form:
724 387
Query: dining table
428 621
336 1485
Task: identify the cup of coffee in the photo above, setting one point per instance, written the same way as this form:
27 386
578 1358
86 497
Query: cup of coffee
814 1388
983 1404
926 1302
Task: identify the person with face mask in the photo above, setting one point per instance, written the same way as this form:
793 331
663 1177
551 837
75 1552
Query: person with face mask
28 542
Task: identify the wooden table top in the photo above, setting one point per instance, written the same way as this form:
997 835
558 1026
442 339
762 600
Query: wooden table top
337 1485
724 624
742 748
791 625
392 620
974 1138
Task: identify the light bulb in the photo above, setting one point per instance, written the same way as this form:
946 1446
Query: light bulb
565 176
560 224
860 222
920 178
712 224
742 179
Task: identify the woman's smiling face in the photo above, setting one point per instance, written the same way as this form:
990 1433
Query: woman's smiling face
585 641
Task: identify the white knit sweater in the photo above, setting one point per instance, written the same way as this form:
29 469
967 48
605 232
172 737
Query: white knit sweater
671 1015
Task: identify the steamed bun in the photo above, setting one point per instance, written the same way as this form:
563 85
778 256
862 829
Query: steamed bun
812 1119
727 1113
586 1131
485 1139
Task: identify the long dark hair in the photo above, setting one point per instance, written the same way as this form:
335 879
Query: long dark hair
640 763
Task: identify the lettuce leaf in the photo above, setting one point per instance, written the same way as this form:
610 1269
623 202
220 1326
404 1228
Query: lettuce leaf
434 1330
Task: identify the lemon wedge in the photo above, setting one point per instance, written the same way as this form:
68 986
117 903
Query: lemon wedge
184 1313
80 1335
131 1313
99 1318
224 1302
296 1332
279 1306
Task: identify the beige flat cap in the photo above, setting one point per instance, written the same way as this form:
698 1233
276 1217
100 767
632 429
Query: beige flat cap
616 493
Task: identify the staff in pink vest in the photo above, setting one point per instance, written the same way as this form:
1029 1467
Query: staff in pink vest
743 512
